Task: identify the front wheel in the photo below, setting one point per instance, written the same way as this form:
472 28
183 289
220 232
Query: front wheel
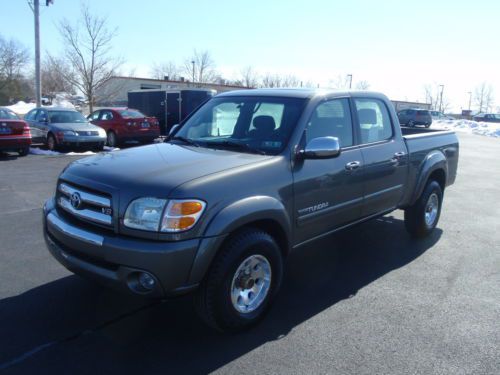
51 142
242 281
112 140
422 217
411 124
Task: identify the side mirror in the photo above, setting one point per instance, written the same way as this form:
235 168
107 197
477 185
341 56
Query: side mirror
173 129
321 148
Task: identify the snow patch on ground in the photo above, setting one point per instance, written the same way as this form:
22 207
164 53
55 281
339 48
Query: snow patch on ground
39 151
488 129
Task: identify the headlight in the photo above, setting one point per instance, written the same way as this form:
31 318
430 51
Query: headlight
102 132
69 132
144 213
181 215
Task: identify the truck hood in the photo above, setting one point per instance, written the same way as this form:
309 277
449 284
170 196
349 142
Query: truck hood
153 170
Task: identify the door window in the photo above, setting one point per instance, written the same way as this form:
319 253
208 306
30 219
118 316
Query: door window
374 120
94 116
31 115
106 115
331 118
41 116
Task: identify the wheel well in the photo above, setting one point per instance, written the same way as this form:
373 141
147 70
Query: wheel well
274 229
440 177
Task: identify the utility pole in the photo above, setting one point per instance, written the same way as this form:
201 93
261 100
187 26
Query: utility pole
441 98
350 80
35 7
470 98
38 83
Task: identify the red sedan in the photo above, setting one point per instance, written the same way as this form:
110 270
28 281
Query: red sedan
124 125
15 134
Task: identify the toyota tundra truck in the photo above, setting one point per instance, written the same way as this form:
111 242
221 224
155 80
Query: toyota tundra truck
247 178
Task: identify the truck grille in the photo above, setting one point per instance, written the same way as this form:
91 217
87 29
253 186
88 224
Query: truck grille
85 205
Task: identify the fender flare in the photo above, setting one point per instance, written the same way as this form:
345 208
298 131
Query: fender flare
434 161
229 219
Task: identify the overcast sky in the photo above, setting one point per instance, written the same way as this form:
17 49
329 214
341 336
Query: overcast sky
397 46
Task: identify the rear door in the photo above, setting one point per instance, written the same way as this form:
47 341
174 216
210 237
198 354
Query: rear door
384 156
328 193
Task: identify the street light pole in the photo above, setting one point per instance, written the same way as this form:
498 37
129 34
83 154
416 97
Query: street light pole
441 98
350 80
192 62
470 98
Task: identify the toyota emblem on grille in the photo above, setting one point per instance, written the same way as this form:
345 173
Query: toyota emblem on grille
76 200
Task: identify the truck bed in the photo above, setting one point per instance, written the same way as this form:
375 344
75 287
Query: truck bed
422 144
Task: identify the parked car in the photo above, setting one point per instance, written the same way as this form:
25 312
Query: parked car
249 177
15 133
436 115
414 116
125 125
64 127
487 117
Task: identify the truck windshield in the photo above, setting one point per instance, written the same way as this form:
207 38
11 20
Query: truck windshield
244 124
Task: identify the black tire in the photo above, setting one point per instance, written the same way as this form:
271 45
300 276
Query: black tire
213 299
51 142
24 151
427 125
415 216
111 139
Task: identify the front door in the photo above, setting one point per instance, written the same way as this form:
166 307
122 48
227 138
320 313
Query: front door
328 192
384 157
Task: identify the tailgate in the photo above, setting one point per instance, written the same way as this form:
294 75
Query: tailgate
11 127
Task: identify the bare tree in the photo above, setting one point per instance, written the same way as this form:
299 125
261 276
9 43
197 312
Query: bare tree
168 68
341 82
54 71
88 45
200 67
270 80
483 97
362 85
249 78
13 59
433 97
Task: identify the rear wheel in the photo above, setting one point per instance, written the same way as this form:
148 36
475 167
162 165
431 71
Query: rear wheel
51 142
423 216
112 140
411 124
243 280
24 151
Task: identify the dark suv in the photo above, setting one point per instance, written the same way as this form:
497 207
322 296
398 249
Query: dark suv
413 116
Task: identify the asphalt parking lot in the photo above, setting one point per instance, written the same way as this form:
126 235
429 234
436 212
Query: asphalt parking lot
366 301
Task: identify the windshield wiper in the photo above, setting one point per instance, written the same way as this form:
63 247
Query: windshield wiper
237 145
185 140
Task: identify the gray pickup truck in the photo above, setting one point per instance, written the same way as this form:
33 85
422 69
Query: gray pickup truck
244 180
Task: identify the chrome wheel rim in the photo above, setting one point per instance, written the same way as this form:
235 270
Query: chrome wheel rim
431 210
251 284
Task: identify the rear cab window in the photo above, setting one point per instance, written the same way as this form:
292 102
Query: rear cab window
374 120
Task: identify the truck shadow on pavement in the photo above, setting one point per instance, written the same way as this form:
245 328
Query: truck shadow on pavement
73 326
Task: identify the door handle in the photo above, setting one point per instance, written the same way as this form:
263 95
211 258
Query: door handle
397 156
352 165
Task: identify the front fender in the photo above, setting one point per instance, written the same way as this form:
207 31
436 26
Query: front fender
229 219
434 161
